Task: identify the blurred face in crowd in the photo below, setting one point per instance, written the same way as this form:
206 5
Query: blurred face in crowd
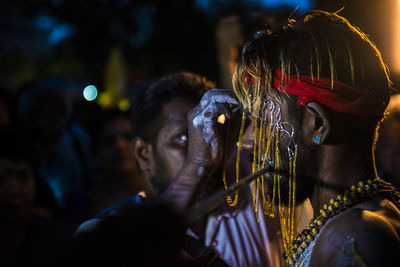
44 113
17 192
113 149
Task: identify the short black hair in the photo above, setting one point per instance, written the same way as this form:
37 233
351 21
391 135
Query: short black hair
147 105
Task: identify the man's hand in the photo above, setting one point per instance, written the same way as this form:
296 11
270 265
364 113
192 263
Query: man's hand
209 140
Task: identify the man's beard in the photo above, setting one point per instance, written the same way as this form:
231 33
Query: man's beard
160 180
304 185
303 189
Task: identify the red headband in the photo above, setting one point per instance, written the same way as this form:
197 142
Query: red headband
340 97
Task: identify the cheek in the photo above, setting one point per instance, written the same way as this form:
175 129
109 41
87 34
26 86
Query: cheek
175 159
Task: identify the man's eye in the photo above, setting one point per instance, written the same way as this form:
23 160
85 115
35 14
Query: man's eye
182 139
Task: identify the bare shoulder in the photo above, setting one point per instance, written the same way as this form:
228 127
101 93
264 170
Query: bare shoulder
365 235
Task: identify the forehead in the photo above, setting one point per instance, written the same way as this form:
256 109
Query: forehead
173 119
269 107
176 111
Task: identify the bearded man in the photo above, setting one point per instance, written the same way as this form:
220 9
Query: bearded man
314 92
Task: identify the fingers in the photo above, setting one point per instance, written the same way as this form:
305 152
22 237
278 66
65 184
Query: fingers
213 104
219 96
208 139
202 116
212 111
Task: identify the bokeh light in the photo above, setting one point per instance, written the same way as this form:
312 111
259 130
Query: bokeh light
90 92
124 104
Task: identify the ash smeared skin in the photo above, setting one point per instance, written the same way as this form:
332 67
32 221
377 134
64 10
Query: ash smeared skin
272 116
215 96
204 116
206 146
275 115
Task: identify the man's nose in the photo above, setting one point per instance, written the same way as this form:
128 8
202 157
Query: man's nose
248 137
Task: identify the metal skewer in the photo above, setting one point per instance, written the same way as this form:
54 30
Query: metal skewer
210 203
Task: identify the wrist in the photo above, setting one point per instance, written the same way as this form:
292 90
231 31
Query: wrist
183 191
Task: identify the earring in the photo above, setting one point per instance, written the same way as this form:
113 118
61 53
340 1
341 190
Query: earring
317 139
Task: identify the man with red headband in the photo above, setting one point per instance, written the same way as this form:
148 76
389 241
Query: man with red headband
313 93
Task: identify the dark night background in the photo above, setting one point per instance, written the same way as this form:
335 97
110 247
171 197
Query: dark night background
70 41
63 159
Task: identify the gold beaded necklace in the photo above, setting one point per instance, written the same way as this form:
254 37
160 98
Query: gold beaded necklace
356 194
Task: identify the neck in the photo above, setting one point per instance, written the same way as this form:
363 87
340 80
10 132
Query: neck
341 167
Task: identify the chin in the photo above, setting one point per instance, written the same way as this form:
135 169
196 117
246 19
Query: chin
159 185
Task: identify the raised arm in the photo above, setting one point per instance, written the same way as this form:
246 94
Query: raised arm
207 145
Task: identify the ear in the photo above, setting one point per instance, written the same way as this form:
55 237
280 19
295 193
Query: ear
143 153
316 123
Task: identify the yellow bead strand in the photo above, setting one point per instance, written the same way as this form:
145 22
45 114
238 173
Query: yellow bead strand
294 197
267 205
253 167
229 200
